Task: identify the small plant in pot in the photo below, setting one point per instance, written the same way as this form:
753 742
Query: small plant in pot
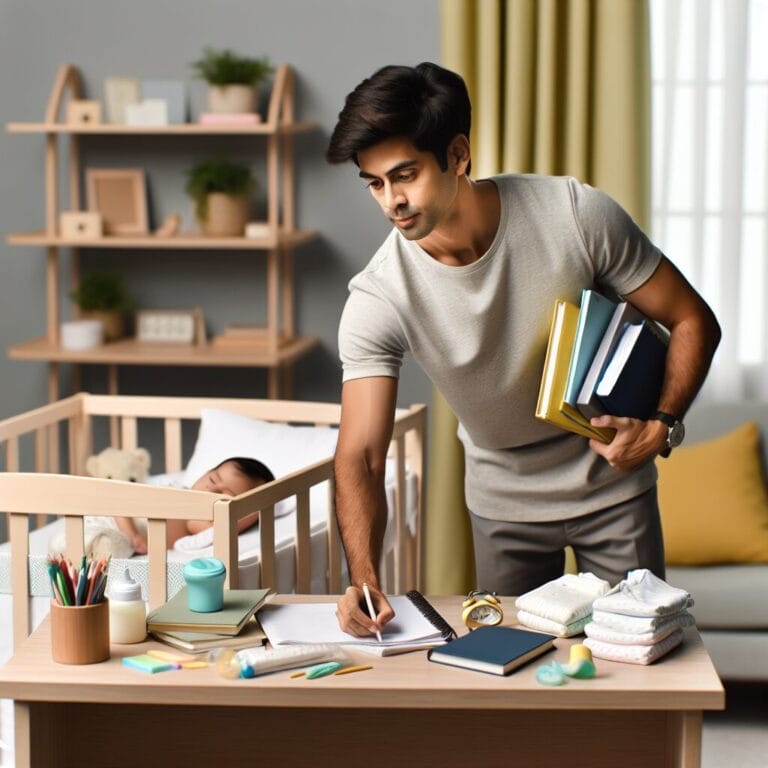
221 191
102 296
232 79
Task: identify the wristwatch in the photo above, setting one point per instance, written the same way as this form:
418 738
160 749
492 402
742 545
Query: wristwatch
675 431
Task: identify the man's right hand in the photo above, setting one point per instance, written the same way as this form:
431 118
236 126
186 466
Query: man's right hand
353 615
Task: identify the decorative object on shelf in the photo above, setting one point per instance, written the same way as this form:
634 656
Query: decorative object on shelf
232 79
230 118
119 91
80 225
172 92
245 336
84 112
171 326
170 226
149 112
120 196
256 230
81 334
102 296
221 191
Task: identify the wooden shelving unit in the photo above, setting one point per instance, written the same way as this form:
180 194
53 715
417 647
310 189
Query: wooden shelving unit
280 347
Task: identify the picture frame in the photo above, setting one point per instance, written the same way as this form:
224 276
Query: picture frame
120 196
173 92
118 92
170 326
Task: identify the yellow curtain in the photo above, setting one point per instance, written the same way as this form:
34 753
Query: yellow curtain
558 87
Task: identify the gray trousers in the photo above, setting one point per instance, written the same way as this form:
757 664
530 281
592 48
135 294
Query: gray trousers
513 558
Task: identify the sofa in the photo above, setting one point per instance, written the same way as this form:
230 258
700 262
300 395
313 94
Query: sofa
731 597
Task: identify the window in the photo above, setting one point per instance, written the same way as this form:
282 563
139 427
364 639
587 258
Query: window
710 171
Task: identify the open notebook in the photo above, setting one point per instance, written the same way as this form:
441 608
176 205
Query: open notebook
416 625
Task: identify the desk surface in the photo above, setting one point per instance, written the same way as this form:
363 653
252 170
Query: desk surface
684 680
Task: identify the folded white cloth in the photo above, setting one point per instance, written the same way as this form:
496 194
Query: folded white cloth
553 627
643 594
634 654
565 599
599 631
637 625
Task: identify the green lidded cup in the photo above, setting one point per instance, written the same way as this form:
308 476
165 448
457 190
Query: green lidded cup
205 584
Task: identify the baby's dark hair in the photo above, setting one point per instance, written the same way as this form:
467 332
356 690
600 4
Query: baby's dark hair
252 468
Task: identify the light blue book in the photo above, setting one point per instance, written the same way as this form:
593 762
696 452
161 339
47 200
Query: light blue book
594 316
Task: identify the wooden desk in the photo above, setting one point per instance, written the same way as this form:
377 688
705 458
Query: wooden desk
404 712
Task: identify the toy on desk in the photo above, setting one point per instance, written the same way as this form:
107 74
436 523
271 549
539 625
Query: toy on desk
481 609
251 662
580 666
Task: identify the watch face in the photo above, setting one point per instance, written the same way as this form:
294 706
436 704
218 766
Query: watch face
676 434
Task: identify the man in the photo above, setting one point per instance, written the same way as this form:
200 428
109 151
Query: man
466 282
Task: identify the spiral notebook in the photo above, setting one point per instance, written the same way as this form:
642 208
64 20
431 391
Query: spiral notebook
416 625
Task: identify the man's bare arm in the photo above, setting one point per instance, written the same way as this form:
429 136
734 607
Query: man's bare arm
367 417
694 335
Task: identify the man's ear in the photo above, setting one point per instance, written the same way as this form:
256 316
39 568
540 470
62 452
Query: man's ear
458 154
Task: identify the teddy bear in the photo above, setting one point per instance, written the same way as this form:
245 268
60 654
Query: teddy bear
102 534
117 464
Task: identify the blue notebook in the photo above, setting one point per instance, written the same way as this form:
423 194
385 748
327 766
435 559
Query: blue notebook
497 650
595 313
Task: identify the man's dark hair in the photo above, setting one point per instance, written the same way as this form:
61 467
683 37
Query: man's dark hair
427 105
252 468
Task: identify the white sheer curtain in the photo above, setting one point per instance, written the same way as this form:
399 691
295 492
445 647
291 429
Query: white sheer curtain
710 172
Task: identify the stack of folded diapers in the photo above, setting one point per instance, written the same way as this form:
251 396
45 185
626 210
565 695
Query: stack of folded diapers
638 621
563 606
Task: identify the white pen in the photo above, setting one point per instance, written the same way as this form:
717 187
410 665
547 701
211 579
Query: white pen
371 611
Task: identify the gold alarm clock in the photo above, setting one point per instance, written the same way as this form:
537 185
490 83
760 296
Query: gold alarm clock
481 609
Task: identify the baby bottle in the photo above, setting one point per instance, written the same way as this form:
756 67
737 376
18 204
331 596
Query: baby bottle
127 612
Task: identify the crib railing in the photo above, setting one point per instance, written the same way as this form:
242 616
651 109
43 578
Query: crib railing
32 495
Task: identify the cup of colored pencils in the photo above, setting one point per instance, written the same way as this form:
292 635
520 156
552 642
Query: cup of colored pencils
79 610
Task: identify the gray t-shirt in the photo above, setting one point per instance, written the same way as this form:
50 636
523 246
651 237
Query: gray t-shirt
480 333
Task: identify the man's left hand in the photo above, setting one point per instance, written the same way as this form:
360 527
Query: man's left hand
635 442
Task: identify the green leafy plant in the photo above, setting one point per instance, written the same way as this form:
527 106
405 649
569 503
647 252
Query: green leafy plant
101 291
217 175
227 68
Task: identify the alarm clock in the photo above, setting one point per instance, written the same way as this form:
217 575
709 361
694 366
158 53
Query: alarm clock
481 609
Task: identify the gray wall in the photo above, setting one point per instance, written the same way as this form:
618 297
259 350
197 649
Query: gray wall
332 45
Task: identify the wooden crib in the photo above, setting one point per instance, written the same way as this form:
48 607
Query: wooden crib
29 496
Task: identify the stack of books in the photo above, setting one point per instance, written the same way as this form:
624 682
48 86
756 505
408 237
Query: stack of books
602 357
234 626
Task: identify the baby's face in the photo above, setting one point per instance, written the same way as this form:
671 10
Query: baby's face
227 480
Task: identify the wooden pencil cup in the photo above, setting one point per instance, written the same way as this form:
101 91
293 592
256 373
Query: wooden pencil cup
80 634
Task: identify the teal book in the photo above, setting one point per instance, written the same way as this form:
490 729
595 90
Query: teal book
588 402
496 650
631 383
595 313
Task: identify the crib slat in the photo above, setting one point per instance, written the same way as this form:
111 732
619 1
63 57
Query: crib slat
401 527
156 558
225 545
128 432
334 543
172 431
41 437
414 448
12 454
267 539
73 533
18 529
303 553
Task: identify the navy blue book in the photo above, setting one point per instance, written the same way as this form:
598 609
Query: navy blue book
497 650
631 383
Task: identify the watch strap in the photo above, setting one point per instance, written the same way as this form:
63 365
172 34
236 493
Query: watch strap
666 418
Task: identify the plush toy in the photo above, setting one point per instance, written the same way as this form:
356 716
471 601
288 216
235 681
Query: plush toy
102 534
116 464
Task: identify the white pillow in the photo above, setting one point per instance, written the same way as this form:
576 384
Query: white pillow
283 448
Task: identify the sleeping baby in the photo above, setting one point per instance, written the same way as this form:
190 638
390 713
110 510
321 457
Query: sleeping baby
124 536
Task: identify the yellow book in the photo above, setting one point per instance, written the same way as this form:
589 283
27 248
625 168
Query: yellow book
551 406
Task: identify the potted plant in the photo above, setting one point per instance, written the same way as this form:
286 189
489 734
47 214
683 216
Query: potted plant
102 296
232 79
221 192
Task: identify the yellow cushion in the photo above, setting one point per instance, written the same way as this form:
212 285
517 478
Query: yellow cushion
713 501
